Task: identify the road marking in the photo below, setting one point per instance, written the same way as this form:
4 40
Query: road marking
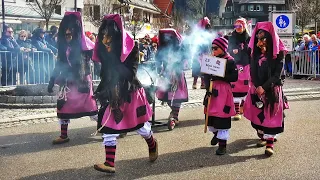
11 144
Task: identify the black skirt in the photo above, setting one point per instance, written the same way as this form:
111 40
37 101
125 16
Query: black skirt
266 130
219 123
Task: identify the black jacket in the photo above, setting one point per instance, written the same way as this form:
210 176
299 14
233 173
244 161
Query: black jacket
240 42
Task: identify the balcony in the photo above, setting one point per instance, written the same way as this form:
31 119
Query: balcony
252 14
228 14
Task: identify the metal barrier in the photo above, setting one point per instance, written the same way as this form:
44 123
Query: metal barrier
19 68
305 63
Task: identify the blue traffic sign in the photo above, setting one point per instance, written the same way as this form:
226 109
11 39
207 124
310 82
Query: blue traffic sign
282 21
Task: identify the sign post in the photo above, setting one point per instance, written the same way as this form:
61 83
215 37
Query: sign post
284 24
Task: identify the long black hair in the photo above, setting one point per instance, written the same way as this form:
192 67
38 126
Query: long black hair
271 97
113 86
72 23
109 59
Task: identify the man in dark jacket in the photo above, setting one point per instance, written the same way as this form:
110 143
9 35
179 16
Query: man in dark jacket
44 60
51 37
9 59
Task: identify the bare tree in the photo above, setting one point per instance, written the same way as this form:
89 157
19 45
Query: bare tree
94 10
45 8
314 6
302 10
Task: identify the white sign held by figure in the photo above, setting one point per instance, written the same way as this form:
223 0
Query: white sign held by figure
283 23
213 65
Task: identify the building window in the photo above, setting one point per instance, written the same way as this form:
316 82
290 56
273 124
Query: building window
251 8
242 7
96 12
259 8
225 21
229 8
254 21
272 8
58 9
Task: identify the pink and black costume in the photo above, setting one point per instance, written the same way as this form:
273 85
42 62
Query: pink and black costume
72 74
221 107
266 111
240 42
124 105
172 86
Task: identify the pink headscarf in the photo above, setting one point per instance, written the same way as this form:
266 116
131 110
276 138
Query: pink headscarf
277 43
203 22
127 41
86 43
171 31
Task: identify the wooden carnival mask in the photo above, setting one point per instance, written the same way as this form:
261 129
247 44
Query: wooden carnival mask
109 32
68 35
262 41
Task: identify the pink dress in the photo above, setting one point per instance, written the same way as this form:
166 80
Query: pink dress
73 104
221 107
242 85
135 114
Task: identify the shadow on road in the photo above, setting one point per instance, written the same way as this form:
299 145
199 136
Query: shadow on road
36 142
193 159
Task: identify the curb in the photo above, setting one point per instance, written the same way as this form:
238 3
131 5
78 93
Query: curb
27 99
27 118
27 106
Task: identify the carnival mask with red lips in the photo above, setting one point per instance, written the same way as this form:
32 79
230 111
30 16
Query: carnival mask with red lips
262 41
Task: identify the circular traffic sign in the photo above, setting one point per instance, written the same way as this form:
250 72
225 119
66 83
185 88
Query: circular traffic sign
282 21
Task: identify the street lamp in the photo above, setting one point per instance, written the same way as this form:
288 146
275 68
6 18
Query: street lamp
3 18
75 5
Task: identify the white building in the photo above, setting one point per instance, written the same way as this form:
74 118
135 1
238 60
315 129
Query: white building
142 12
20 16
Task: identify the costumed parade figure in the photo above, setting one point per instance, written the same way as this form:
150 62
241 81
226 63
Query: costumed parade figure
72 74
204 23
265 102
124 105
221 106
238 49
172 86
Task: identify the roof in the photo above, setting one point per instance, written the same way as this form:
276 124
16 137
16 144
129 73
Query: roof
165 6
262 1
144 4
22 11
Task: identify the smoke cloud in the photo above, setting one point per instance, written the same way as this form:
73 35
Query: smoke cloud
193 44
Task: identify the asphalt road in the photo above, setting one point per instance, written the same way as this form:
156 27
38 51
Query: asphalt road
26 151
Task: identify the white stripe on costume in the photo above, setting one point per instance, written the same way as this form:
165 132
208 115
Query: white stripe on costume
145 131
267 136
239 99
111 139
64 121
223 134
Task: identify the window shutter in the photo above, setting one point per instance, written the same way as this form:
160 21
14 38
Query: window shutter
96 12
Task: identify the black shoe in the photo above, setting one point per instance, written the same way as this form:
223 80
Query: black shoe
221 151
214 141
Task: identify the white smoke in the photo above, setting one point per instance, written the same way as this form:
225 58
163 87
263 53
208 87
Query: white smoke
193 43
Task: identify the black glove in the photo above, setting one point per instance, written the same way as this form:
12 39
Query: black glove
50 86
